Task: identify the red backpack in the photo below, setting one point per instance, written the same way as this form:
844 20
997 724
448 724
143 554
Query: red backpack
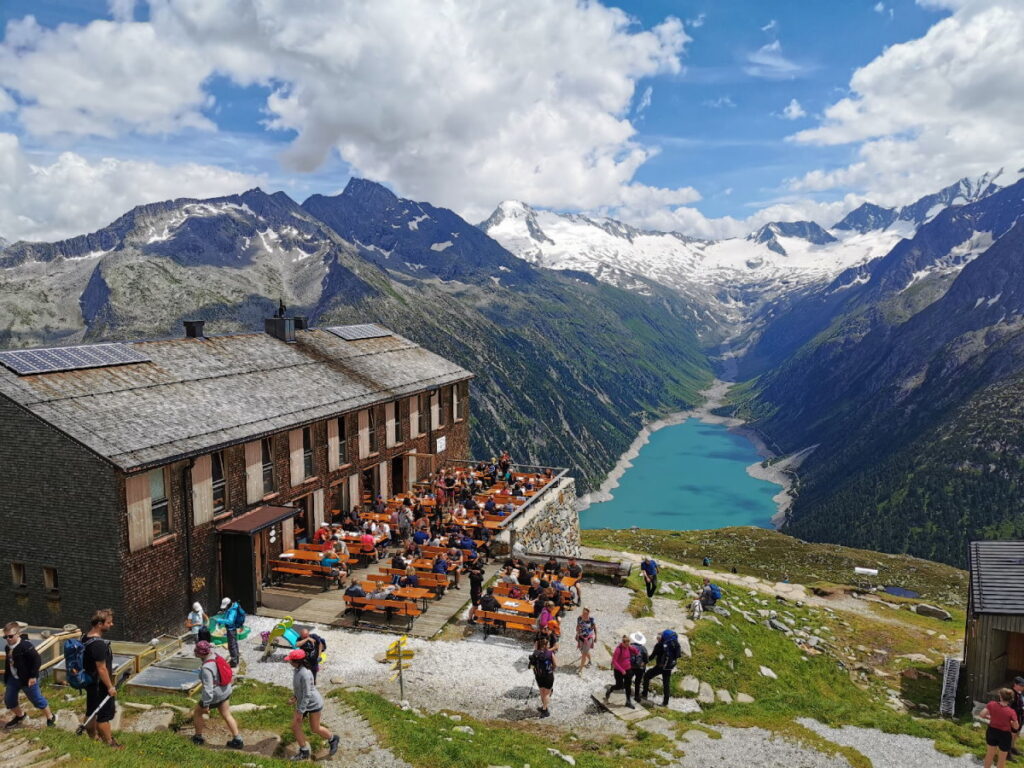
224 672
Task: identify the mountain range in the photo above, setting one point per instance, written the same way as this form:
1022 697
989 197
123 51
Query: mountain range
890 340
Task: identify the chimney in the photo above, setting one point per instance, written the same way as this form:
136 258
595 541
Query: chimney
282 328
194 329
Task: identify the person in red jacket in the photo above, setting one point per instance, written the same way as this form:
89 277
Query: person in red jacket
1002 722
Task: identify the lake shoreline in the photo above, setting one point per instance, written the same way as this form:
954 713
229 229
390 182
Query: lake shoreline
781 472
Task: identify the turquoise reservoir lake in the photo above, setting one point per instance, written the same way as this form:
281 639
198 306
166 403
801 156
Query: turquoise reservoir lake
689 476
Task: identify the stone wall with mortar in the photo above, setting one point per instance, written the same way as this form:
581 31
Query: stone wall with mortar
551 525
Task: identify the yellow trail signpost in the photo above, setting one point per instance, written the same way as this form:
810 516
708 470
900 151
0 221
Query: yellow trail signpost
397 652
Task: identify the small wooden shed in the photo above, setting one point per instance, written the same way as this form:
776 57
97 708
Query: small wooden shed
994 638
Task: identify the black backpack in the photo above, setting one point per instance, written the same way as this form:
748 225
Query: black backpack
640 658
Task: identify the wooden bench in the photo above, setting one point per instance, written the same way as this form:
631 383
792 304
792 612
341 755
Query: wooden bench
614 569
436 582
386 608
308 570
501 621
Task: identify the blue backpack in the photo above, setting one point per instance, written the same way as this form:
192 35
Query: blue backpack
716 592
239 616
671 649
74 664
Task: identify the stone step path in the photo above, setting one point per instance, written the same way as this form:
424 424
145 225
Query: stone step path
18 751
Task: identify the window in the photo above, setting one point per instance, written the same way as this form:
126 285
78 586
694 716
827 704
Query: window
307 451
18 574
395 423
342 443
371 414
399 432
444 399
159 508
50 579
424 425
220 486
267 449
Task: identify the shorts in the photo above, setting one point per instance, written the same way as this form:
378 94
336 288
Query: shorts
585 644
94 694
545 680
474 598
312 712
1001 739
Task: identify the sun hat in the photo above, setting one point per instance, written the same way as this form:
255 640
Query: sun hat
203 648
295 655
638 638
225 603
197 607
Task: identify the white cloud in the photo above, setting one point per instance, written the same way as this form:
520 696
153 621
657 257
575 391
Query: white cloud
770 26
6 102
645 101
697 22
722 102
793 110
929 111
122 10
770 63
71 195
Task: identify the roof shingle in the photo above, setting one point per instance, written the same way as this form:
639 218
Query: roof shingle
997 576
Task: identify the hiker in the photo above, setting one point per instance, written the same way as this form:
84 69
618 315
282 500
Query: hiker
709 594
573 569
706 562
308 703
196 622
217 688
622 668
542 662
1018 707
649 568
586 637
312 645
99 666
638 643
665 655
476 587
232 618
1002 722
552 632
21 673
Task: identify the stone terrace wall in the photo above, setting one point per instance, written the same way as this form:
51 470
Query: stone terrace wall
553 526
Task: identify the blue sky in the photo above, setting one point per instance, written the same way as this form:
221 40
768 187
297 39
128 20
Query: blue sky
712 101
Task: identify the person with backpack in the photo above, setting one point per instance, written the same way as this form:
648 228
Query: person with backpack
709 594
638 643
232 618
542 662
21 673
312 645
217 677
1018 707
622 668
665 655
649 569
97 670
308 704
196 622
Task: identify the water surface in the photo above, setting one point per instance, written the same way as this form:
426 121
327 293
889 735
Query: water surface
689 476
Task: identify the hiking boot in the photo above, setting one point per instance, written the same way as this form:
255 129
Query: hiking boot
14 721
198 740
545 713
235 743
51 721
630 705
333 743
608 691
303 754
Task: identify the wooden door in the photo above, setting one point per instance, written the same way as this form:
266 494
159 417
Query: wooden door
1014 653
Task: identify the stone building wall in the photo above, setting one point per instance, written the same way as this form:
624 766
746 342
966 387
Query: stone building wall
552 527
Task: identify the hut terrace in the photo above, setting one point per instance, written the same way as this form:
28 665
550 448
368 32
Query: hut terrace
118 475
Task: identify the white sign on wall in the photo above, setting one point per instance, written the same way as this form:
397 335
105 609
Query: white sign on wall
442 443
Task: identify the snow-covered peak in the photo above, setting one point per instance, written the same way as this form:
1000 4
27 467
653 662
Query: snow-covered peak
774 232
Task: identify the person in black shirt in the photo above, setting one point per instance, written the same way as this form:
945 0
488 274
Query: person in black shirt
476 584
21 673
99 665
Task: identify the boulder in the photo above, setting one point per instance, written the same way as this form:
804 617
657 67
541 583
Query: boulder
706 695
744 698
691 684
67 720
924 609
568 758
683 704
723 696
766 672
778 625
684 646
464 729
152 721
748 653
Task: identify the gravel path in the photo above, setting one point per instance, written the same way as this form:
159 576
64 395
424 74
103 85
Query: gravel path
750 746
887 750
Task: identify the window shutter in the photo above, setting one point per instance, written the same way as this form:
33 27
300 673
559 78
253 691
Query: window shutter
288 533
202 490
383 470
332 444
318 507
389 428
295 464
353 491
435 410
364 434
412 470
414 416
140 517
455 403
253 472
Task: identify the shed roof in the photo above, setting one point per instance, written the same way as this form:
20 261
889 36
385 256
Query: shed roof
196 395
997 576
256 520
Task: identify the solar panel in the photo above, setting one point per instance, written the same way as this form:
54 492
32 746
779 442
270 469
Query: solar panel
25 362
356 332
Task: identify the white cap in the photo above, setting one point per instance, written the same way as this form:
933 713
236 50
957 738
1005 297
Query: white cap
638 638
225 603
197 607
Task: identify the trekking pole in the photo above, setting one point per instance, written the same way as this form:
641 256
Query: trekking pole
81 729
529 693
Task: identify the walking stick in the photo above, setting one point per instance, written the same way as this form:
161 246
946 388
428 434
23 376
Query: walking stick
529 693
81 729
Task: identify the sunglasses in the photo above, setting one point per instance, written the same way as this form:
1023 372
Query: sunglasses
10 637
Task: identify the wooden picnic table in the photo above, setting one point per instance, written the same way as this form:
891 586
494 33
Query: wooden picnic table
377 517
302 554
516 605
423 564
415 593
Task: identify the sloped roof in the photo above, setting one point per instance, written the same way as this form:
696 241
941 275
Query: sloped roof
199 394
997 576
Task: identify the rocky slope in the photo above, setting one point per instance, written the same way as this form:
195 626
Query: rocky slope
567 366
